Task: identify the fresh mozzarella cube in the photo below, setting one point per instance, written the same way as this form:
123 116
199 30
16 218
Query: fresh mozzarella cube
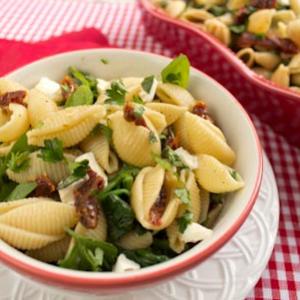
284 2
188 159
67 194
148 97
102 85
50 88
195 233
124 264
93 164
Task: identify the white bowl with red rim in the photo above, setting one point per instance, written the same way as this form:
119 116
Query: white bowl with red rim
224 108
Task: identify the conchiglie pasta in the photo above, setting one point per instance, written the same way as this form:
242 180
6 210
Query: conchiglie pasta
175 8
174 94
43 217
236 4
293 31
26 240
99 145
267 60
51 253
247 55
133 240
218 30
38 167
157 119
281 76
7 85
174 236
7 206
199 136
216 177
70 125
170 111
16 125
295 5
145 193
5 148
39 107
132 142
197 17
260 21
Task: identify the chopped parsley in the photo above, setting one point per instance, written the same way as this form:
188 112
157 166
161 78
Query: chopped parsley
53 151
138 111
183 194
147 83
103 129
116 94
165 164
137 99
218 10
173 158
184 221
237 29
104 61
18 161
152 137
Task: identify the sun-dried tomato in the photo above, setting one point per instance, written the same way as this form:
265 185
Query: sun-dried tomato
45 187
285 45
85 202
13 97
131 116
69 86
261 4
173 142
158 208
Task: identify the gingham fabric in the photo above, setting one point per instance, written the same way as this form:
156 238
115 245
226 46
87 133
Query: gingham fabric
34 20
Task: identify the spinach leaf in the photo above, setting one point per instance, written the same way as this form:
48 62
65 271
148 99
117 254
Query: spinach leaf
89 254
145 257
53 151
78 170
82 96
22 191
119 215
184 221
116 94
21 145
5 189
147 83
177 72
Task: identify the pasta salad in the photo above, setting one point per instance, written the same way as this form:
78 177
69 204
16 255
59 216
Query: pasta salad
265 34
117 175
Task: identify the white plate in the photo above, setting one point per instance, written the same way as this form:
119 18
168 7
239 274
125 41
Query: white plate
229 274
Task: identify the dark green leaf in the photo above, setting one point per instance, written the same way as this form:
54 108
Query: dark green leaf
145 257
82 96
84 79
21 191
147 83
177 72
184 221
18 161
218 10
237 29
21 145
53 151
5 189
183 194
119 215
116 94
78 171
89 254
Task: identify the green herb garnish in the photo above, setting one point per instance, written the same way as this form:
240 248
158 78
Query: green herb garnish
116 94
237 29
184 221
103 129
218 10
183 194
104 61
147 83
137 99
53 151
18 161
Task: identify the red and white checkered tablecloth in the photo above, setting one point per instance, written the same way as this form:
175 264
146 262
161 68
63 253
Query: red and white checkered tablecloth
35 20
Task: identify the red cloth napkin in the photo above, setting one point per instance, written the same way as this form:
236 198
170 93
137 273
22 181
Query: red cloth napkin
15 54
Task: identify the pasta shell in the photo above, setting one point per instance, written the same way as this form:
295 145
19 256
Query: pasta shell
99 146
197 17
210 3
226 19
293 31
144 194
295 5
200 136
295 79
205 201
219 30
10 205
71 125
247 55
5 148
216 177
157 119
262 72
285 16
38 167
51 253
174 236
132 142
281 76
133 241
7 85
43 217
26 240
17 124
175 8
236 4
267 60
260 21
174 94
39 107
170 111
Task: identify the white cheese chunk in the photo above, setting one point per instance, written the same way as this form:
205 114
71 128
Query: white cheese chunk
124 264
50 88
191 161
148 97
195 233
102 85
284 2
67 194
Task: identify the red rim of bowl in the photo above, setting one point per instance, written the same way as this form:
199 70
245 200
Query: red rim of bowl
156 275
227 52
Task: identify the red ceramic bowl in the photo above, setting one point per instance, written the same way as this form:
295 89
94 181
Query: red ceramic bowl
279 107
231 117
